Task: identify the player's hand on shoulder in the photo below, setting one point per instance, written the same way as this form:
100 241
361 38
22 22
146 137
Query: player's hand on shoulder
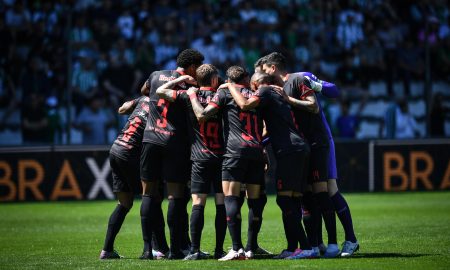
224 86
192 91
316 86
279 90
188 79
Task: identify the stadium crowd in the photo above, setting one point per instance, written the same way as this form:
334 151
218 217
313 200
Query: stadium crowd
95 54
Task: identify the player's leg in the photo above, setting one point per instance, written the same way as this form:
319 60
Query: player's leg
124 196
176 172
199 189
254 181
311 214
220 222
289 184
159 241
232 174
319 174
150 177
341 207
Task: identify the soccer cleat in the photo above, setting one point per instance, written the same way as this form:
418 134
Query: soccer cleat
175 255
219 254
322 248
296 252
332 251
304 254
316 250
234 255
158 254
261 251
249 255
284 254
196 256
348 248
146 255
107 255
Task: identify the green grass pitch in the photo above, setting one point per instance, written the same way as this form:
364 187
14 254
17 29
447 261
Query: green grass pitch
396 231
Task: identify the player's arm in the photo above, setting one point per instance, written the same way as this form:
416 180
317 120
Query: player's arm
241 101
128 106
330 90
166 91
145 89
309 103
202 114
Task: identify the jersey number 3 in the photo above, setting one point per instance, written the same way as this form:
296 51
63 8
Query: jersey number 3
162 123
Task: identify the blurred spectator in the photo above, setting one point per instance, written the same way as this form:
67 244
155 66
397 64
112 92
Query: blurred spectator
126 24
346 123
81 34
372 59
349 31
34 120
119 80
94 121
34 79
84 83
399 123
437 116
443 60
410 63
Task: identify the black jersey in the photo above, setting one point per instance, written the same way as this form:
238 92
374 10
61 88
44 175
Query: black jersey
129 141
242 129
206 137
166 124
310 124
280 122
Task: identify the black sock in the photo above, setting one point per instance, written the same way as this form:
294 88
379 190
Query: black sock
147 212
115 222
289 221
221 226
344 215
234 221
300 231
329 217
241 198
159 241
318 219
174 216
197 223
310 212
254 223
185 240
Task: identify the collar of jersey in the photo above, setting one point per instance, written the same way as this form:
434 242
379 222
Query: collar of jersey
204 88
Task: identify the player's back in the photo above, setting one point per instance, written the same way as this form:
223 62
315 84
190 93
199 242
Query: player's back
309 124
129 141
280 122
242 129
166 124
206 137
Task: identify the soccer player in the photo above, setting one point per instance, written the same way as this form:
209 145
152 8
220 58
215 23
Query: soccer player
243 157
165 154
291 152
306 111
124 159
350 245
206 156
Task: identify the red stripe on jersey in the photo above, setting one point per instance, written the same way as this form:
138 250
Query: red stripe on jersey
207 89
214 105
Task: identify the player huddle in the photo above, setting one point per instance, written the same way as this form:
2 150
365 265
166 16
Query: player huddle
193 133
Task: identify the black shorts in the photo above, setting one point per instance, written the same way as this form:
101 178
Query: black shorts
204 175
318 165
164 163
125 174
246 171
291 172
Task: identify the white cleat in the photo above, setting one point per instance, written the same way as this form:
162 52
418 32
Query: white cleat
249 255
234 255
349 248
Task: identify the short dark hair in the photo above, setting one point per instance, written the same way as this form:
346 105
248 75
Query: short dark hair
205 73
260 62
263 78
236 74
277 59
190 57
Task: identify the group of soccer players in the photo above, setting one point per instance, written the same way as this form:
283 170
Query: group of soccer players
190 132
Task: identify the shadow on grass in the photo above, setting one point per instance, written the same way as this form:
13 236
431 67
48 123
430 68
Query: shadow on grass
386 255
